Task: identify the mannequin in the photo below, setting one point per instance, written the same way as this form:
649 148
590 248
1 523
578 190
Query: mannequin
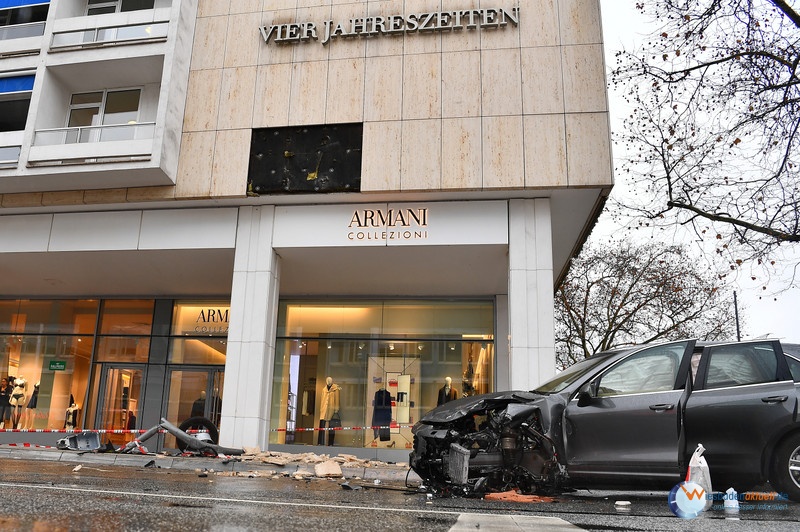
447 393
71 420
17 401
382 414
329 409
30 412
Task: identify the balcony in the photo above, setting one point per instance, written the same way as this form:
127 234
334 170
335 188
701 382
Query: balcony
93 143
108 36
9 154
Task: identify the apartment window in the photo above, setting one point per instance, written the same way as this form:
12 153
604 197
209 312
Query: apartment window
103 115
18 20
99 7
15 99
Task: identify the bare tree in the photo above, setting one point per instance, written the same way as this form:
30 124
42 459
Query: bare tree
713 137
628 294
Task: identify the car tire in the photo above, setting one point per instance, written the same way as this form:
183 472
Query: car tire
786 457
198 423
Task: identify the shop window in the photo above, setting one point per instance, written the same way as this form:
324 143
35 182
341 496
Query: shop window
123 349
48 316
127 317
390 362
54 371
19 21
100 7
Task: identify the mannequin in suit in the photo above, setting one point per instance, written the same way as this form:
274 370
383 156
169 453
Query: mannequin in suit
447 393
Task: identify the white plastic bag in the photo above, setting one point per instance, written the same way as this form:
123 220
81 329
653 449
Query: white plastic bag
699 474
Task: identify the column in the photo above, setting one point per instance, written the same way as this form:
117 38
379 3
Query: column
251 337
531 334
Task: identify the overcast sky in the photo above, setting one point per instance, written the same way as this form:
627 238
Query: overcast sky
769 312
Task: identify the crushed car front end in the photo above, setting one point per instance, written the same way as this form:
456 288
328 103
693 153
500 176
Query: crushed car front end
490 442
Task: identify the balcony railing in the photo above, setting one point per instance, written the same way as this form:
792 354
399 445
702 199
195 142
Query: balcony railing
112 35
83 134
20 31
9 156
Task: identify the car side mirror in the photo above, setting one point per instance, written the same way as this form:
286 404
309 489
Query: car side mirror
585 396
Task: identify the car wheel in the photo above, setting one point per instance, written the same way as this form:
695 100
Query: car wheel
786 467
198 423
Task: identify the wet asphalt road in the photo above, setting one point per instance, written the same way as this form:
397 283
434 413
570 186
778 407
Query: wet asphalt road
42 495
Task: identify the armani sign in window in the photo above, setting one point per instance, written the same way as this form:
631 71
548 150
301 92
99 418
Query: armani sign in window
303 159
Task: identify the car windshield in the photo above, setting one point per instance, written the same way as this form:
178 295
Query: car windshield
572 373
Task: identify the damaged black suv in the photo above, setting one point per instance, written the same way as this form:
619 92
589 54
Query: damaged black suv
628 418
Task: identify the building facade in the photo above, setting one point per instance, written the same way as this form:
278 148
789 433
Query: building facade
232 202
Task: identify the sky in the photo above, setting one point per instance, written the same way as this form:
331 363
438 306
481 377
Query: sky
774 312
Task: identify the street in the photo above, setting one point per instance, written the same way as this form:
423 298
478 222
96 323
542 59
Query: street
44 495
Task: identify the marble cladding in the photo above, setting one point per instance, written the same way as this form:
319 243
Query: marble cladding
512 108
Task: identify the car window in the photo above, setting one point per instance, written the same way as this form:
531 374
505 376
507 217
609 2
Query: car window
652 370
739 365
571 374
794 368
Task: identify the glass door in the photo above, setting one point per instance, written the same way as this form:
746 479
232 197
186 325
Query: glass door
120 400
194 392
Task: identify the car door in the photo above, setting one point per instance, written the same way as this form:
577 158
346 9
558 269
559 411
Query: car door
628 431
743 397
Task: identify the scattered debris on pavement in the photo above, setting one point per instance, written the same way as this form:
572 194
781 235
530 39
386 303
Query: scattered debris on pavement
515 496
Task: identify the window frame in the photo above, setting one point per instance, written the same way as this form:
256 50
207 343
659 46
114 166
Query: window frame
96 131
105 4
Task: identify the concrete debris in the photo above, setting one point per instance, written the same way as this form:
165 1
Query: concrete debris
249 474
328 469
515 496
283 459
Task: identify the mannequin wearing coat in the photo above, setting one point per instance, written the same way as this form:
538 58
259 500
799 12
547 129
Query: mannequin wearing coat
447 393
329 408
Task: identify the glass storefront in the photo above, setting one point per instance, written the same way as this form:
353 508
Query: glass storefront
109 364
387 363
47 347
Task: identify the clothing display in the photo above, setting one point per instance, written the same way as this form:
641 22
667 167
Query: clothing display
446 394
382 414
19 392
329 407
34 396
330 401
71 420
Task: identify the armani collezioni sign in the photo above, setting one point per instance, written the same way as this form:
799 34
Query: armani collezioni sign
442 21
388 224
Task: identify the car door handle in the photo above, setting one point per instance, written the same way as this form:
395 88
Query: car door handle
665 406
774 399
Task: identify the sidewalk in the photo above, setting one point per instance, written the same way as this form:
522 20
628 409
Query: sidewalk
306 465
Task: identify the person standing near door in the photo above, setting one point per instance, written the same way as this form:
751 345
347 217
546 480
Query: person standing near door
5 405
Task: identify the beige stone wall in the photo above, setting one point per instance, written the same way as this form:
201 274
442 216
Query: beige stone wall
519 107
473 109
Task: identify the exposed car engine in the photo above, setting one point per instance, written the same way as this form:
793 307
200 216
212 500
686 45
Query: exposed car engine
497 448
